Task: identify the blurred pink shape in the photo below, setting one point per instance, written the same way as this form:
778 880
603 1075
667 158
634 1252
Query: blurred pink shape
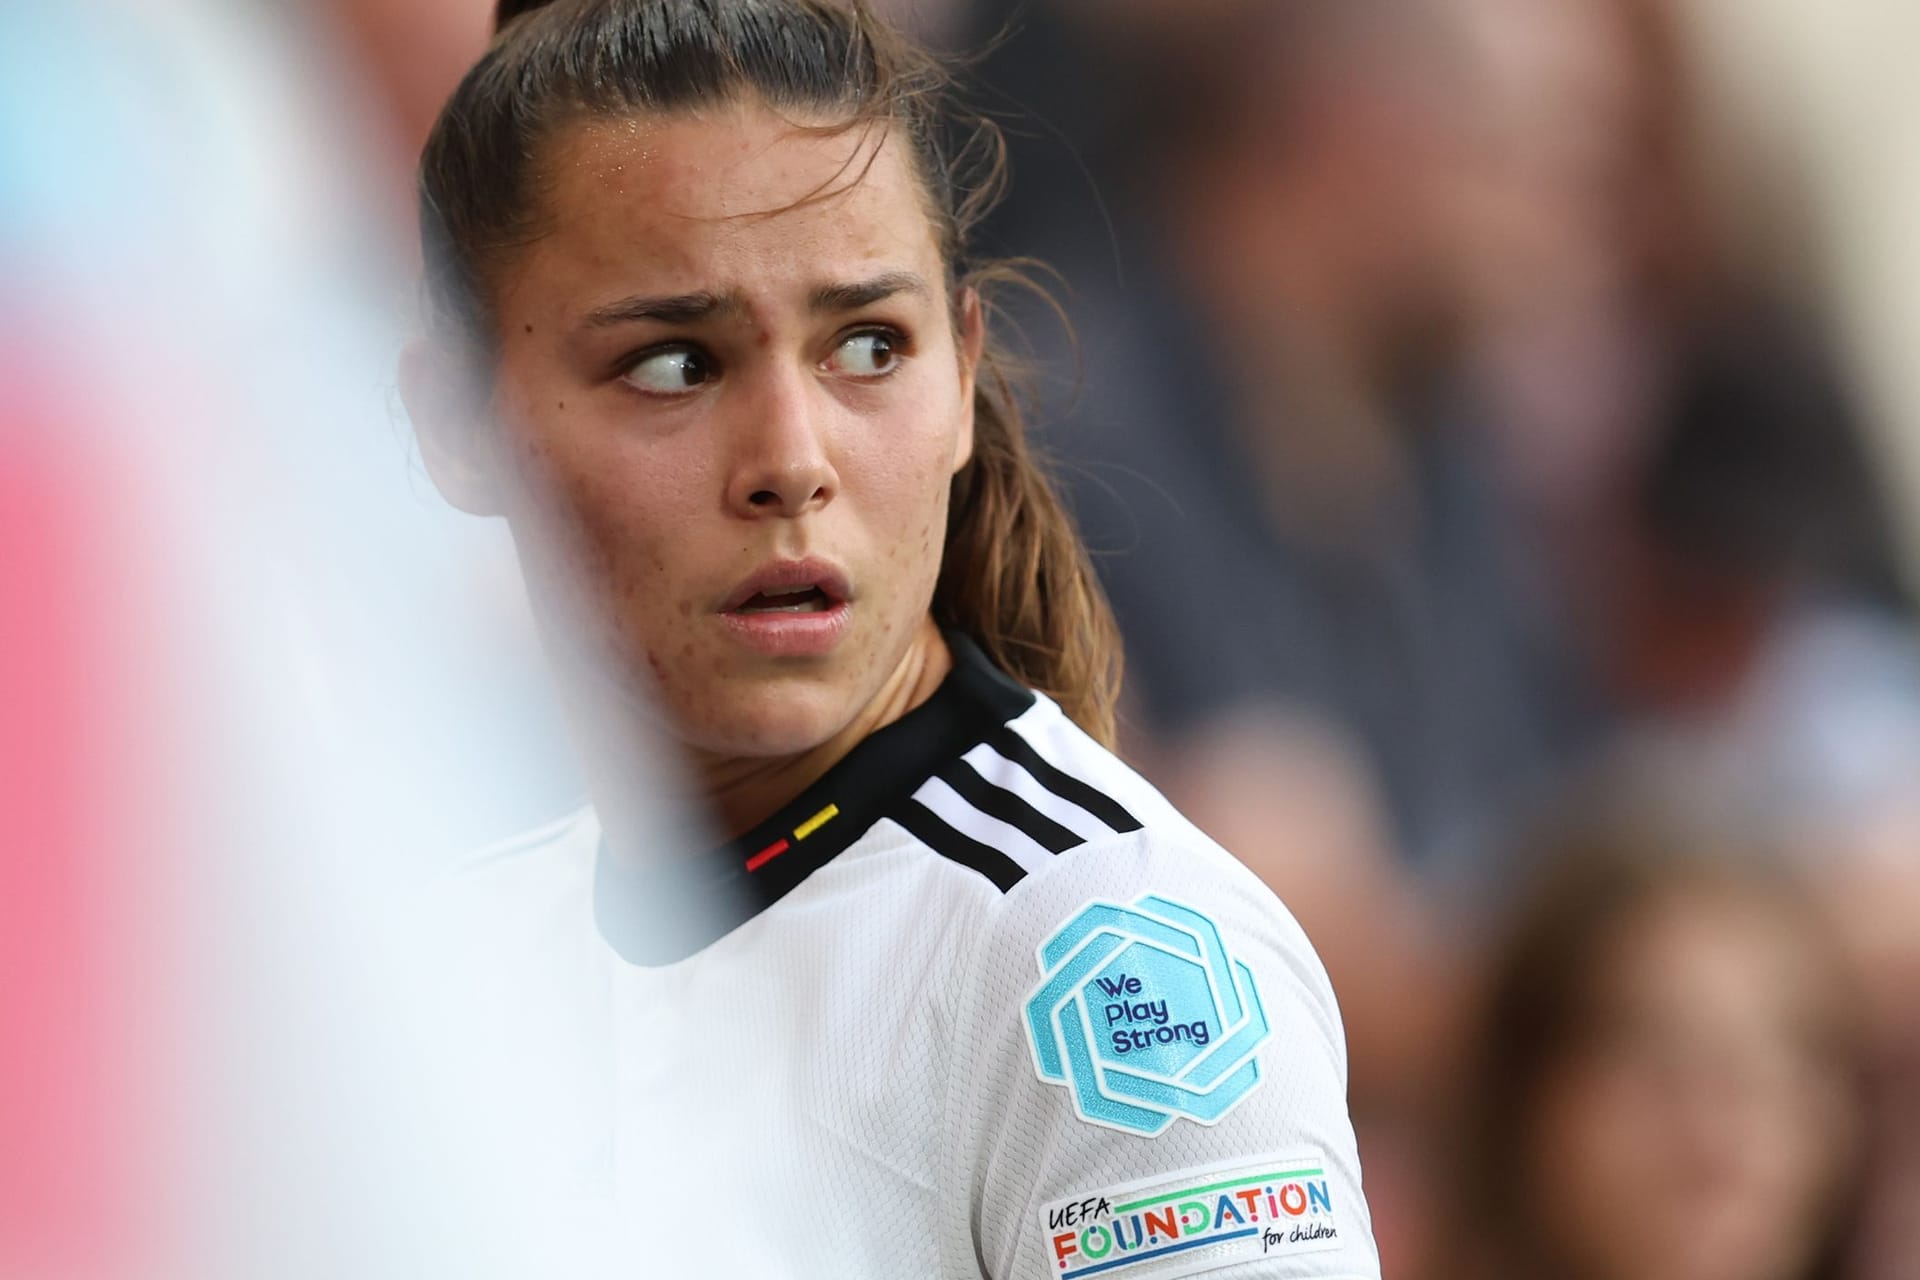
71 1135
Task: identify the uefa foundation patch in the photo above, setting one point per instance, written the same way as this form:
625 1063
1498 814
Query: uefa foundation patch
1182 1224
1143 1015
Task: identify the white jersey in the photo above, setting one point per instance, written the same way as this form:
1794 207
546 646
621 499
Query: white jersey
979 1003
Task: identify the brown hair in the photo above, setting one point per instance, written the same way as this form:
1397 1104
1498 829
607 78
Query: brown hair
1014 576
1608 863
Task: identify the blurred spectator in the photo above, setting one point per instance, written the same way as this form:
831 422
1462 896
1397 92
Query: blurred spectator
1430 420
1674 429
1432 427
1666 1082
1276 459
1746 610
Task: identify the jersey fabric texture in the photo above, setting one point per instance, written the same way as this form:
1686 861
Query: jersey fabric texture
820 1050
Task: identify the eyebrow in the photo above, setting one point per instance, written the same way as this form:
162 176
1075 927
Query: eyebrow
681 308
690 308
864 293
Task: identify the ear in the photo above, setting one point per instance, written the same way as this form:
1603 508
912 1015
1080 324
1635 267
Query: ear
972 340
451 425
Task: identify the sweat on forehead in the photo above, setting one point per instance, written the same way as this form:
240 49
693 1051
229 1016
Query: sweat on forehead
744 148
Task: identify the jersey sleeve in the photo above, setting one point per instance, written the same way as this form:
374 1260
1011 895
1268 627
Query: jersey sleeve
1148 1079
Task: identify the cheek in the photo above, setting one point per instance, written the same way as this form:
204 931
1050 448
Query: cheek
904 490
907 523
599 520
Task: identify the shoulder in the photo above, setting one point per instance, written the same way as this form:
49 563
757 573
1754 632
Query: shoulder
1053 820
1035 793
1141 1013
1156 910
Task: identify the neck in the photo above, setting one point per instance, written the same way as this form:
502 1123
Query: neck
742 792
648 800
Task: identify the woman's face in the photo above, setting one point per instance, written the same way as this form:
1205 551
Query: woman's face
1699 1134
729 401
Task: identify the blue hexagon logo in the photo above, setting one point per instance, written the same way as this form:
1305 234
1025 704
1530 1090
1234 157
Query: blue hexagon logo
1143 1016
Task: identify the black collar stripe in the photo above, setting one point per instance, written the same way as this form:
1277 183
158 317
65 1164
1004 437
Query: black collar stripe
1096 802
997 802
671 907
931 830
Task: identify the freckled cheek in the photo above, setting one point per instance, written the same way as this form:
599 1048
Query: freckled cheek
611 525
903 496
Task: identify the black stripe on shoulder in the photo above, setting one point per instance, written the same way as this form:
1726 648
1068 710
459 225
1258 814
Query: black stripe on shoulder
1009 808
1102 806
927 827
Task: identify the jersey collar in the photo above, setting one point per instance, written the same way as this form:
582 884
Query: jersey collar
659 915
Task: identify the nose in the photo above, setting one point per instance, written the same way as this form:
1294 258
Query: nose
782 467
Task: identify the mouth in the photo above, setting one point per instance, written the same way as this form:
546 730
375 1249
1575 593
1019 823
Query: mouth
805 600
789 589
790 609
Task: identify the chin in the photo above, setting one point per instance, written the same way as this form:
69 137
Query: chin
774 718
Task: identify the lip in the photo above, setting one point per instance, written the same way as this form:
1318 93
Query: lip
790 575
791 634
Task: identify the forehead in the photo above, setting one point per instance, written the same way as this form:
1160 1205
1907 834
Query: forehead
1732 941
732 198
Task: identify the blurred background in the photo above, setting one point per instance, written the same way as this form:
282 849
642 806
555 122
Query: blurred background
1497 423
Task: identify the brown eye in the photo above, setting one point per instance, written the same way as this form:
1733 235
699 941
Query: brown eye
870 353
669 371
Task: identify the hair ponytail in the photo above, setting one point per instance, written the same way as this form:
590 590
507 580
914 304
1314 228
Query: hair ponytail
1016 576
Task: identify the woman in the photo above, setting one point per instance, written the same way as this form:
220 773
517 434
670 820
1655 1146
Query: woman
1669 1074
960 994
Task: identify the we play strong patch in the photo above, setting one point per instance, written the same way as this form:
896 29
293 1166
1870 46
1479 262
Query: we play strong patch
1185 1223
1145 1016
